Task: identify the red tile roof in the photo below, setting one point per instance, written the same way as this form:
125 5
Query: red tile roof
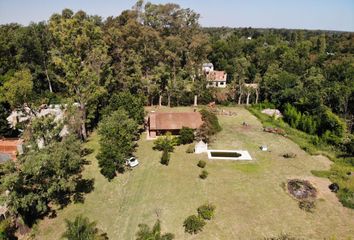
174 120
9 146
216 76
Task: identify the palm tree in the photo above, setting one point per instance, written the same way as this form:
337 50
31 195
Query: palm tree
145 233
82 229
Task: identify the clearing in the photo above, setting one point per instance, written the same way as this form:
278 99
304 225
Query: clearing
249 196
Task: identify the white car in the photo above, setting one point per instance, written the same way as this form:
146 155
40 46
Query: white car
132 162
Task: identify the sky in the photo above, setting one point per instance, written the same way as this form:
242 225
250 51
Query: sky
295 14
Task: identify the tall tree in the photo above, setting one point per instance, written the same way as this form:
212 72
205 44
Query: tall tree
80 54
117 134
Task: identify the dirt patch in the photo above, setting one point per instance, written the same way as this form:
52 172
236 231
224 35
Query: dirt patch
301 189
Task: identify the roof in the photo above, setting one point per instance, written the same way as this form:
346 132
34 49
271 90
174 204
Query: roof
216 76
4 157
174 120
9 146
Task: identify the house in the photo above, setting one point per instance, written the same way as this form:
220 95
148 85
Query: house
161 122
216 79
207 67
201 147
9 148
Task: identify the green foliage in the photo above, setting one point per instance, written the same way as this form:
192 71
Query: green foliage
193 224
201 164
190 148
44 177
204 174
346 197
117 135
206 211
165 158
145 233
209 127
6 230
44 128
81 228
132 104
165 143
80 57
282 236
186 135
18 89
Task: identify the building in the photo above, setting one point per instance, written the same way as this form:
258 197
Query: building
216 79
207 67
161 122
9 148
201 147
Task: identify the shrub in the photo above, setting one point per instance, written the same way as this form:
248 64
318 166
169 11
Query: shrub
201 164
289 155
204 174
165 158
307 205
190 149
346 197
206 211
209 127
186 135
166 142
282 236
193 224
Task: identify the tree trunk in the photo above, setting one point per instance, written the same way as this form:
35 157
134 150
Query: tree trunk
257 93
152 101
160 100
83 119
48 79
240 98
195 100
248 98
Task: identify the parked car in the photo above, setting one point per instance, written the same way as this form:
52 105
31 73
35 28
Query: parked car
132 162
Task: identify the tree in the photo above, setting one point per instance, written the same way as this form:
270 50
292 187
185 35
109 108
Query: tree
132 104
117 135
44 178
18 89
80 55
82 229
186 135
165 143
145 233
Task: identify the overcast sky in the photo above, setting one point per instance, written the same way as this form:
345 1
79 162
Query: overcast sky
299 14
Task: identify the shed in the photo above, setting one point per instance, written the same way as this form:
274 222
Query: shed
201 147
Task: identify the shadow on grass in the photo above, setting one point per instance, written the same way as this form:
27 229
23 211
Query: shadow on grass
84 186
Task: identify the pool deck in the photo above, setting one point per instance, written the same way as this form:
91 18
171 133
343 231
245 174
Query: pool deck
245 155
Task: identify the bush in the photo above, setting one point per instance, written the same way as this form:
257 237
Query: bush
186 135
282 236
289 155
209 127
190 149
346 197
307 205
201 164
166 142
206 211
165 158
193 224
204 174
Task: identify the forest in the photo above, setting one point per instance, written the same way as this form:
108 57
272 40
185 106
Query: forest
152 55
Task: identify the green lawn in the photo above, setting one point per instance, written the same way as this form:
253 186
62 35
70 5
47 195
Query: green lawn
249 198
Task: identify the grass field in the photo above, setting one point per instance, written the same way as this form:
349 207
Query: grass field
249 198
